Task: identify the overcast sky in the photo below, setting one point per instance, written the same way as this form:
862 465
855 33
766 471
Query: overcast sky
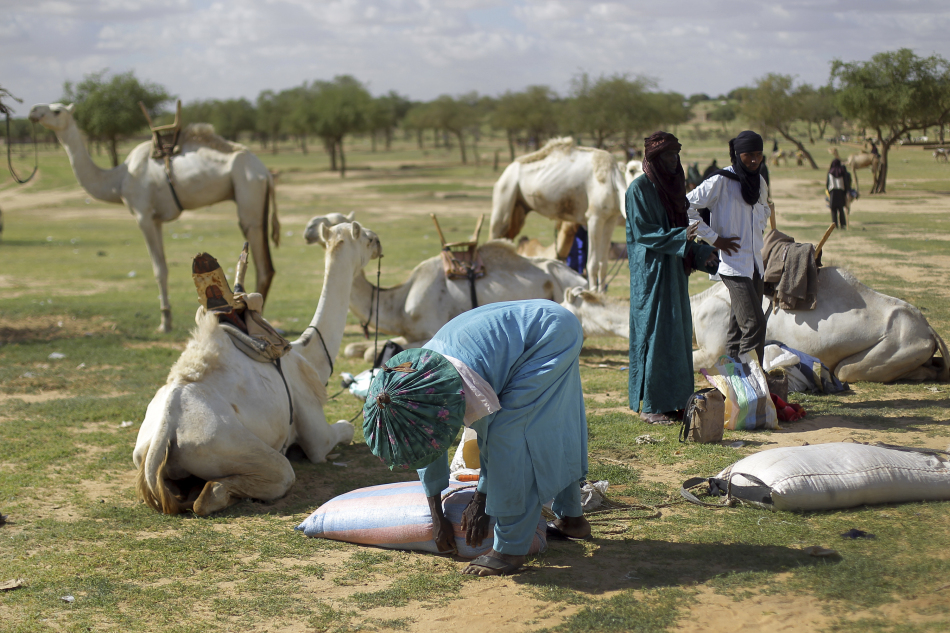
201 49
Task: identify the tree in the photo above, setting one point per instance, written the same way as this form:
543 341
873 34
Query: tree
533 113
230 117
817 108
892 94
418 119
610 106
723 114
454 116
109 110
386 114
342 107
775 104
271 111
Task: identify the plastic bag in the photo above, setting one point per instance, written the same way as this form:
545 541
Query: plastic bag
743 383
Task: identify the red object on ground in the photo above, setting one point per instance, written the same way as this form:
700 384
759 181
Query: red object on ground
787 411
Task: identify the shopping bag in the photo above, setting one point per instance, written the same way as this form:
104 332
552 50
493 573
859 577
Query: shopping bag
743 383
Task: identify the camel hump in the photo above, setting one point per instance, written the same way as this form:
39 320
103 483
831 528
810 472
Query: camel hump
203 134
564 144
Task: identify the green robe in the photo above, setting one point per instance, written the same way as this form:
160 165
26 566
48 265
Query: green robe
661 326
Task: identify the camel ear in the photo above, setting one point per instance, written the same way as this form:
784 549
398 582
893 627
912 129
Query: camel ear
571 295
324 233
356 230
70 108
351 215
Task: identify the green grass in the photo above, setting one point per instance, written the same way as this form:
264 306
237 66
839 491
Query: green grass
66 478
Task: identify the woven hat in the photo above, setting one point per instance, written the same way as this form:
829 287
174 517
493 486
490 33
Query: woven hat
414 409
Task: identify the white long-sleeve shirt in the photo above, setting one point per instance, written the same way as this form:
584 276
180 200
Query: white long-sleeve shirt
731 216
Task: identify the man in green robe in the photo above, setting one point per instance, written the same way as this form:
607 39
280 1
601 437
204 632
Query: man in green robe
662 253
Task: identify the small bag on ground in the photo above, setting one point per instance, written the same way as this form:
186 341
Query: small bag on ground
743 383
704 418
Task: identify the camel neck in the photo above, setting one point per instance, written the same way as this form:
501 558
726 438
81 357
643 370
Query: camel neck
364 300
101 184
329 318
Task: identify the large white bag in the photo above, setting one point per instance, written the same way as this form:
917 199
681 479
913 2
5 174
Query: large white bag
838 475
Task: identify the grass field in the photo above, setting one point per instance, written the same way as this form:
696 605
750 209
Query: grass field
75 281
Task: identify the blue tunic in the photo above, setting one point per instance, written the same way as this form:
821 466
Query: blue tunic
528 352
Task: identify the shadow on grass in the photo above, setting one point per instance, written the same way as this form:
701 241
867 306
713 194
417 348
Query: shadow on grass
646 564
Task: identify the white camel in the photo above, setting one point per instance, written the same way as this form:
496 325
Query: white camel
563 182
859 333
208 170
417 309
228 420
632 171
313 231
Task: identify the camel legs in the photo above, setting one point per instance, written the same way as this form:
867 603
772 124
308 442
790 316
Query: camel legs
599 231
888 360
251 198
152 230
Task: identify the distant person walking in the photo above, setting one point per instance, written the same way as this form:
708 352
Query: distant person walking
662 254
838 186
738 201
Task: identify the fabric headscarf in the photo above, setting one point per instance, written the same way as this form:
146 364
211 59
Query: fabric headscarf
837 170
414 409
670 185
747 141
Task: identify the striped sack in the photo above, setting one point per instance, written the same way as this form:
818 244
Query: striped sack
396 516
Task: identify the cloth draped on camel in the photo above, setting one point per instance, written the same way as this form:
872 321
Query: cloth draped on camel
535 447
661 325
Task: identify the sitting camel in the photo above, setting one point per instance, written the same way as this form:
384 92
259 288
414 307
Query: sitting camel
858 332
209 169
313 231
222 418
417 309
563 182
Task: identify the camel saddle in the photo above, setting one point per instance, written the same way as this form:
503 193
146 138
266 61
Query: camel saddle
165 137
460 260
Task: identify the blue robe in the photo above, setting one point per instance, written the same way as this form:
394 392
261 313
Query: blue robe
536 445
661 325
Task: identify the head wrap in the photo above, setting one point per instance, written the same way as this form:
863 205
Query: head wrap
837 170
414 409
747 141
670 185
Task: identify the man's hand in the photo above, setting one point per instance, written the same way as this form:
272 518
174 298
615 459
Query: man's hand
691 231
712 261
475 521
442 532
728 245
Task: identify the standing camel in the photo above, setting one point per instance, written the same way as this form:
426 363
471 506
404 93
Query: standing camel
861 160
563 182
208 170
227 420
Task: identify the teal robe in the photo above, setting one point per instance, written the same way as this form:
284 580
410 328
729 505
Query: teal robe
661 326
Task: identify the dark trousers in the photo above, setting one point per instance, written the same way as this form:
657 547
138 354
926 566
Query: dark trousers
747 322
838 216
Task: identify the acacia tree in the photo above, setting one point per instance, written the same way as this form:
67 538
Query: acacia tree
817 108
419 119
723 114
775 104
454 116
892 94
609 106
342 107
109 110
385 115
271 111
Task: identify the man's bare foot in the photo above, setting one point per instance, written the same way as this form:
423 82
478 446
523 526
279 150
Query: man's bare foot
494 564
573 527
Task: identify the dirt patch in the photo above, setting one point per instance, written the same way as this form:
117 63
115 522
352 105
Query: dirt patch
14 287
55 394
175 345
50 327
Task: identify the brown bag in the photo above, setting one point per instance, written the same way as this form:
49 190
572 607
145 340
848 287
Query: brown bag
704 418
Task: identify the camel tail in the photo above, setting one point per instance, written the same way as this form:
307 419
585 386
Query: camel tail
275 221
621 186
944 375
150 479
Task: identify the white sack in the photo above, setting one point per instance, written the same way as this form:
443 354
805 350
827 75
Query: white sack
458 465
842 475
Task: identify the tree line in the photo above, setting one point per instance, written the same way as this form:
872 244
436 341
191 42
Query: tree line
888 96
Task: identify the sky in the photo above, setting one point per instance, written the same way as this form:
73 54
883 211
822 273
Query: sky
200 49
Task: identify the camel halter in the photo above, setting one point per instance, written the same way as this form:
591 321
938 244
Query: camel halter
322 342
36 162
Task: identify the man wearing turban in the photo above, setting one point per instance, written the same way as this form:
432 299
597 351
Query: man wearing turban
738 201
662 253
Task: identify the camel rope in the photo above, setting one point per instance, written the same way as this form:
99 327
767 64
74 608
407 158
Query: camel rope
36 162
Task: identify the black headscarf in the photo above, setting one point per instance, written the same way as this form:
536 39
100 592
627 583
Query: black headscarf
670 185
837 170
747 141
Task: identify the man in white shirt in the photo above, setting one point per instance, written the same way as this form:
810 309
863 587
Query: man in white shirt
737 199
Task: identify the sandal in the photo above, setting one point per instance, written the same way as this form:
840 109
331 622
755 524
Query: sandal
556 532
657 418
496 564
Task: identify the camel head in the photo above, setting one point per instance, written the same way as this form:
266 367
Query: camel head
632 171
351 240
55 116
599 315
312 233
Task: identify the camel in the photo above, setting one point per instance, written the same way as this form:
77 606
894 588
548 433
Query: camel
313 231
632 170
208 170
861 160
416 309
563 182
858 332
941 154
222 418
781 155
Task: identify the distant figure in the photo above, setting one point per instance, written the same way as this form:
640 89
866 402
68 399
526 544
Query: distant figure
712 169
874 151
774 146
838 185
693 177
